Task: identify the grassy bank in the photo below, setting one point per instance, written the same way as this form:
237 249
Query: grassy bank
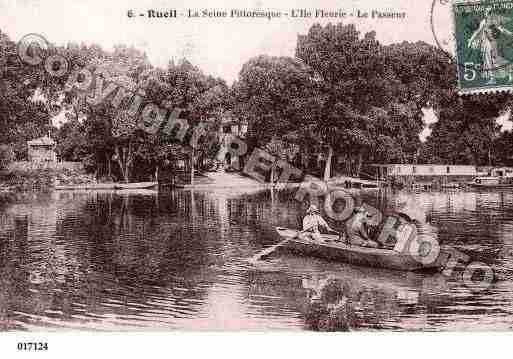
41 179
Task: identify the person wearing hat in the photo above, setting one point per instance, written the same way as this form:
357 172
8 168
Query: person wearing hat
356 229
312 222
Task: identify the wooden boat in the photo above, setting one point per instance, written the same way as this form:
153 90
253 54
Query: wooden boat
502 185
110 186
451 185
90 186
491 182
138 192
369 257
137 185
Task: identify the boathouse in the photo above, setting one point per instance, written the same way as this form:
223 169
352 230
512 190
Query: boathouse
407 174
42 150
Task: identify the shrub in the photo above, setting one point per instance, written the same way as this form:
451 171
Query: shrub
6 156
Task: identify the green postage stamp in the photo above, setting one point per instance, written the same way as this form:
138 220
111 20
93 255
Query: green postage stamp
484 40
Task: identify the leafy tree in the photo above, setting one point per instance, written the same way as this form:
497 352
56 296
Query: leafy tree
22 116
72 145
467 131
6 156
373 94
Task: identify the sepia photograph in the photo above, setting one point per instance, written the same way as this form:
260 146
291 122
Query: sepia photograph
314 168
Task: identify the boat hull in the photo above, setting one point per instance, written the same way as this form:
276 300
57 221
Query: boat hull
108 186
369 257
140 185
103 186
504 185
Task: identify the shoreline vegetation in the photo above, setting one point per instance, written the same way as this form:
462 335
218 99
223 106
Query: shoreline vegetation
43 180
342 102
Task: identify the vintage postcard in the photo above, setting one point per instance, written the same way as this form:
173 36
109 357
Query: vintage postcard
255 166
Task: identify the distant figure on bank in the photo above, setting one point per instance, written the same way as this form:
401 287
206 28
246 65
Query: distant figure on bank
356 230
311 224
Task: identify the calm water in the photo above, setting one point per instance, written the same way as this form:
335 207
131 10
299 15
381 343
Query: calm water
180 260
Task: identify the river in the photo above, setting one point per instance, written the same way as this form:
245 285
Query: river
179 260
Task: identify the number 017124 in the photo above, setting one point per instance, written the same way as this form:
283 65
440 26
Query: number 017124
32 346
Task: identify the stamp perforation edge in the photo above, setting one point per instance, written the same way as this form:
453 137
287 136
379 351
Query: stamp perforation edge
476 90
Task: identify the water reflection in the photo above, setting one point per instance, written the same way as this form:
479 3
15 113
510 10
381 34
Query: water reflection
179 260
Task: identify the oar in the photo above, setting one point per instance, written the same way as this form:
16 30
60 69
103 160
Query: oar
268 251
339 235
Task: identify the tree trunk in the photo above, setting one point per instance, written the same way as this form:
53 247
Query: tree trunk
304 160
349 163
359 164
192 167
124 161
120 162
327 168
125 165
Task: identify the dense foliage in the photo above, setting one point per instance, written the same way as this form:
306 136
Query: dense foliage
343 101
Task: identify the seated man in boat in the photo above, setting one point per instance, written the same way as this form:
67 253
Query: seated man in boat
414 215
311 224
356 230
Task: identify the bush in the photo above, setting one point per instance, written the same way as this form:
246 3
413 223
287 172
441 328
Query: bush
6 156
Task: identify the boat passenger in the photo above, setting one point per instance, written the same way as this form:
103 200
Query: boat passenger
311 224
356 229
417 217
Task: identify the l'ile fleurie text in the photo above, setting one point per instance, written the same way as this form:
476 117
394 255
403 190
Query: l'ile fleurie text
245 13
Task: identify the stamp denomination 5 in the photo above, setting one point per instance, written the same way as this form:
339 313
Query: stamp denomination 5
484 51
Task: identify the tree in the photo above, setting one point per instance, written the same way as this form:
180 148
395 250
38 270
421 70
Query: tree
372 94
277 97
71 143
6 156
22 115
467 131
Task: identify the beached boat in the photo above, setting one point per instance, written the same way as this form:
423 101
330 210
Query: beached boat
109 186
137 185
492 182
370 257
90 186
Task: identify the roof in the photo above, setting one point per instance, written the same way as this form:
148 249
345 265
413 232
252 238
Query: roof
42 141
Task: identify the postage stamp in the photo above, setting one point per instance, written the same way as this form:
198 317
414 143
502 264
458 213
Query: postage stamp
484 45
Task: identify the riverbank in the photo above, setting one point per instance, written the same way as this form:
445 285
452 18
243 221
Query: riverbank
231 180
43 179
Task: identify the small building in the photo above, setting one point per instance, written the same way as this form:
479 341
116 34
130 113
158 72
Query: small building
407 174
231 127
42 150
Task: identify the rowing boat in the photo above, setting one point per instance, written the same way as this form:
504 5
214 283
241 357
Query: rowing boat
492 186
137 185
492 182
110 186
330 248
90 186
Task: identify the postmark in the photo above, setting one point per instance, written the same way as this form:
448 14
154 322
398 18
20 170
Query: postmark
484 45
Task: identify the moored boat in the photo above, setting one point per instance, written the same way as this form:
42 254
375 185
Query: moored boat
137 185
492 182
90 186
107 186
331 249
